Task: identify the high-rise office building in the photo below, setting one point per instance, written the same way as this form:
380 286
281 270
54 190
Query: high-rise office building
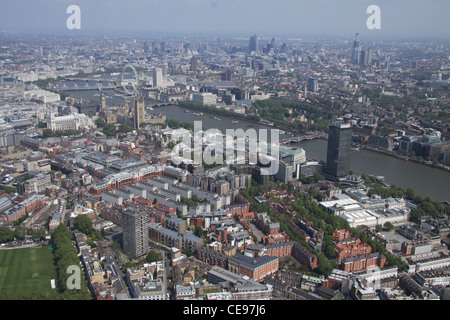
194 64
356 50
146 47
313 85
366 57
253 43
154 47
139 111
338 150
273 43
164 68
226 76
135 233
157 77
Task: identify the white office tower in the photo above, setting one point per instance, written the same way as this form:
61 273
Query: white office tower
157 78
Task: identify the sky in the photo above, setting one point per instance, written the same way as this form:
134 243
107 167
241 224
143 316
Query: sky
407 19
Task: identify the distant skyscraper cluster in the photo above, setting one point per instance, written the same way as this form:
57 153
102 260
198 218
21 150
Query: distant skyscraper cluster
359 55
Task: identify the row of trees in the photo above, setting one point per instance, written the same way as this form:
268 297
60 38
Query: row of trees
328 223
276 110
66 255
379 247
19 233
110 129
59 133
308 209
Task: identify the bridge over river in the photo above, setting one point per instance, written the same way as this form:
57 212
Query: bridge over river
305 137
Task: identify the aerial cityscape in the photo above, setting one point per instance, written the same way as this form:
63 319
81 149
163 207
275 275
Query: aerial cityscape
229 164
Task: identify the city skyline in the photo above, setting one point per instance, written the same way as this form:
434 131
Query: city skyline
185 150
399 19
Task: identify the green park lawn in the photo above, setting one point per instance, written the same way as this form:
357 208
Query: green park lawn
26 271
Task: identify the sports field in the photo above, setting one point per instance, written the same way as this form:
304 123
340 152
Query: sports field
25 271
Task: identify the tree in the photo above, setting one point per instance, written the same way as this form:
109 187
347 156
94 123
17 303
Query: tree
109 130
199 232
65 256
123 128
19 232
410 194
83 223
6 235
100 123
47 133
152 256
323 265
318 177
187 252
313 192
388 226
37 234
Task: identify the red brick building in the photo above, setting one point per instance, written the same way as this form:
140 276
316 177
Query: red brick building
342 234
347 246
361 263
351 247
304 256
279 249
26 206
212 257
255 268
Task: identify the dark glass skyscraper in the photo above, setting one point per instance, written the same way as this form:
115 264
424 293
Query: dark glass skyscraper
313 85
194 64
253 43
338 150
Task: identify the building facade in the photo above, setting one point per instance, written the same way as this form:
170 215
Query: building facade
338 149
135 233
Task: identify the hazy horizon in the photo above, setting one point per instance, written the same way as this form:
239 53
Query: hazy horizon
408 19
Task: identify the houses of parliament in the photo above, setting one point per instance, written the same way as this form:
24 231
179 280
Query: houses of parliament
133 117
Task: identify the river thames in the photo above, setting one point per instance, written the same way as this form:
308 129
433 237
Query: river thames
426 181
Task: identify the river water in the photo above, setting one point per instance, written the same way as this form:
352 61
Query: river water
426 181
